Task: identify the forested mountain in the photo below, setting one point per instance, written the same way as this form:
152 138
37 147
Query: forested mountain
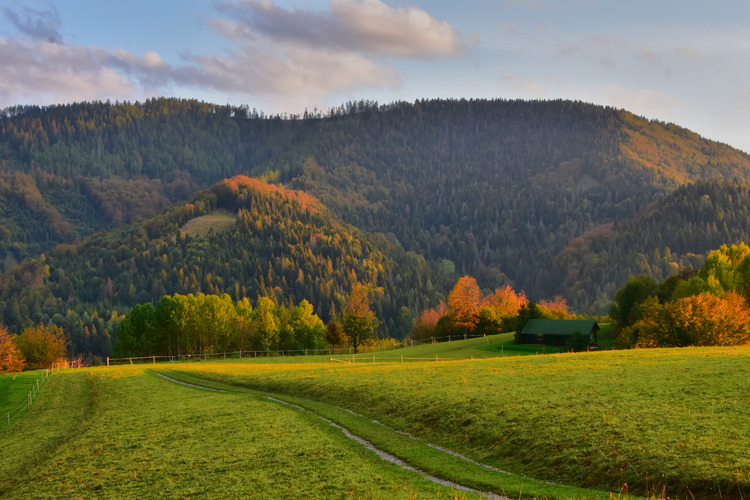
497 188
279 243
671 234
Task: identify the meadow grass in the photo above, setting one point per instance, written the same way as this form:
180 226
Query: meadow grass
662 421
218 220
491 346
13 390
124 432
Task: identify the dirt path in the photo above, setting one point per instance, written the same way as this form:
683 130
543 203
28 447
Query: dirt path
382 454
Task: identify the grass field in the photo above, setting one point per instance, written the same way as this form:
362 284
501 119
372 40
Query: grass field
666 422
125 433
656 420
492 346
219 221
13 390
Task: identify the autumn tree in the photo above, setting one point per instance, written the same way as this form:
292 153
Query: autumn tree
11 359
703 319
556 308
41 346
427 321
359 319
464 302
506 301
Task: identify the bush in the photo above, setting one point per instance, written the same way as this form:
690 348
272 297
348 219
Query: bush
41 346
577 342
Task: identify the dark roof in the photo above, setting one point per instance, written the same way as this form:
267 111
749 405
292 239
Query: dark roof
559 326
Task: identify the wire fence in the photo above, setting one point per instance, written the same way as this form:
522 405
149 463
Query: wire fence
364 349
31 396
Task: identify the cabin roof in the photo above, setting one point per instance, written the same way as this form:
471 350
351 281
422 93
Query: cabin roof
559 326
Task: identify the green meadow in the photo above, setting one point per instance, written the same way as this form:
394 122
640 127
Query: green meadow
13 390
657 423
218 221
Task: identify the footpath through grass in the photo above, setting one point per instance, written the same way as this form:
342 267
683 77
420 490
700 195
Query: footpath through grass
125 433
670 421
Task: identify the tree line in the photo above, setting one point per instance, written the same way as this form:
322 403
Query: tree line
706 306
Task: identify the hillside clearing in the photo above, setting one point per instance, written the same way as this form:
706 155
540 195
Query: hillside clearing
219 221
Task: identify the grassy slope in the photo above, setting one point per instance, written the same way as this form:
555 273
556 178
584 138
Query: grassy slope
482 347
219 221
123 432
13 390
652 419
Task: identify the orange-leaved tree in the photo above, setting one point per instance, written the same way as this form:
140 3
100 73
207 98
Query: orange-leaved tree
464 302
505 301
703 319
11 359
427 321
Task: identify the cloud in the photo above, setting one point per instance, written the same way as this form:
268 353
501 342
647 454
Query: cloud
36 70
609 51
363 26
291 56
298 74
687 52
36 24
646 101
520 85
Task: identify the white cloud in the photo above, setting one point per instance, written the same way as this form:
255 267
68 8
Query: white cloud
292 56
34 70
363 26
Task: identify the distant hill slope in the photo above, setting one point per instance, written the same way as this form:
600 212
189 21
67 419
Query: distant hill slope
673 233
284 244
498 187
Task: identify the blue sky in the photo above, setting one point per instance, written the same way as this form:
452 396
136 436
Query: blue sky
686 62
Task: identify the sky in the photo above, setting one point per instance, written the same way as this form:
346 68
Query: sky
680 61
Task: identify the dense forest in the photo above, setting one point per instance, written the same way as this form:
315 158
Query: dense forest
667 236
280 244
510 192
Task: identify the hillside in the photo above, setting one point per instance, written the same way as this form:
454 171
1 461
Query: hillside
671 234
283 244
498 188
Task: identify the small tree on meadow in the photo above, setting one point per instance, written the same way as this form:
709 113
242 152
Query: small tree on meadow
359 319
11 359
335 334
464 302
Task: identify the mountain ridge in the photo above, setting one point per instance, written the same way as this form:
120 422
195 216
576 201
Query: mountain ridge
498 188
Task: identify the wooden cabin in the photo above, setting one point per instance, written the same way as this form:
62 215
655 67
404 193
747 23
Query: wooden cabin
557 331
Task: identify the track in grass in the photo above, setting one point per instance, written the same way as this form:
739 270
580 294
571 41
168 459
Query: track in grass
382 454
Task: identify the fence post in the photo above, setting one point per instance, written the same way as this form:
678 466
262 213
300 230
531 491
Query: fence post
107 360
436 358
153 359
402 358
28 401
449 337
